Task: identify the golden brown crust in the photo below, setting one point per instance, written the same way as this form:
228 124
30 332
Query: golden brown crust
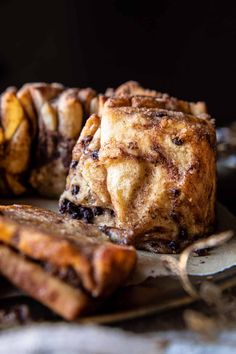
15 143
133 88
52 292
152 171
48 237
169 103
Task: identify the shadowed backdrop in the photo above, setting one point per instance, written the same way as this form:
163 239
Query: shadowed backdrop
186 48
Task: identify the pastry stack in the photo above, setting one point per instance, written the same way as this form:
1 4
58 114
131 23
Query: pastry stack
39 125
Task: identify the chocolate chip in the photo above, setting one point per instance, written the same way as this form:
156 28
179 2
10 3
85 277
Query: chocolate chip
86 140
177 141
94 155
87 215
173 246
112 213
74 164
160 114
174 216
63 207
183 234
79 212
175 192
75 189
97 211
76 214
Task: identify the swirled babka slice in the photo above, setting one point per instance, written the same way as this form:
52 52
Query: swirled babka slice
65 264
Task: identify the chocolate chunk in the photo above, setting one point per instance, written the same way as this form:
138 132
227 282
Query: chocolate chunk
160 114
175 192
74 164
87 215
79 212
112 213
76 214
177 141
86 140
173 246
63 208
174 216
75 189
94 155
183 234
97 211
76 211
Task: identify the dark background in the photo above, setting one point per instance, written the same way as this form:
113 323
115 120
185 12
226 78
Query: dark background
186 48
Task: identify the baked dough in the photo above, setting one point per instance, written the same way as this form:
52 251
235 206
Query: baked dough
15 143
147 176
44 253
142 97
60 113
39 125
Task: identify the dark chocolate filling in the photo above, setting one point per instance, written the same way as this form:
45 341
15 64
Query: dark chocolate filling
80 212
94 155
177 141
66 274
75 189
74 164
175 192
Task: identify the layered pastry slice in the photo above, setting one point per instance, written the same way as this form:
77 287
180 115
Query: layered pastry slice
65 264
133 88
15 143
147 176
